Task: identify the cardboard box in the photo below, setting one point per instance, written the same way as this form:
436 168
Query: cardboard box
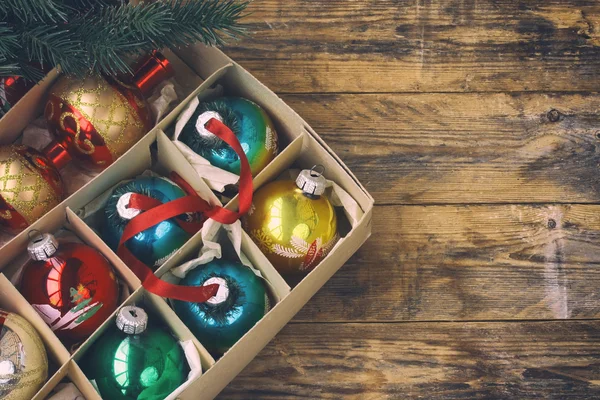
301 147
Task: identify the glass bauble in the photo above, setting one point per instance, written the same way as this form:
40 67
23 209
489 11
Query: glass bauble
294 228
71 286
156 244
238 305
97 119
30 186
248 121
147 364
23 358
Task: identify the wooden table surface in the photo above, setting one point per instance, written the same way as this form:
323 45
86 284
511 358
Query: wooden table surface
474 124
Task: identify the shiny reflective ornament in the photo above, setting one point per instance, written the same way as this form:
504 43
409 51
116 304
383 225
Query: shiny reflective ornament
248 121
238 305
97 119
30 186
293 223
135 359
23 359
71 286
156 244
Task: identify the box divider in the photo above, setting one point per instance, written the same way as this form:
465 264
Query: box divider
174 114
52 382
260 262
179 328
90 237
82 382
11 300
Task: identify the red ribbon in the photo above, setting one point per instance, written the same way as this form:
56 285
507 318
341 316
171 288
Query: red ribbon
155 212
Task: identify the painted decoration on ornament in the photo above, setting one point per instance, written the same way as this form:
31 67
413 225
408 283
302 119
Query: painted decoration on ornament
310 253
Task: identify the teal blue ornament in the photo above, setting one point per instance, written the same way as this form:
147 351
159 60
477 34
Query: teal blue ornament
238 305
156 244
247 120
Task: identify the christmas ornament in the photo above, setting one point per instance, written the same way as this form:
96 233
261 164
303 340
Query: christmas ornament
12 89
154 245
240 302
294 225
250 123
97 119
135 360
71 286
30 187
23 359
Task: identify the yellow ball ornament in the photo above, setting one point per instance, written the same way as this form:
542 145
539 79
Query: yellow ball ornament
23 358
293 223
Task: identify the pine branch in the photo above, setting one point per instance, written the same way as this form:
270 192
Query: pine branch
51 45
30 11
100 35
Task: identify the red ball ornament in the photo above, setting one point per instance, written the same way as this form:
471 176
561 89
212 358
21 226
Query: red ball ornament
71 286
97 119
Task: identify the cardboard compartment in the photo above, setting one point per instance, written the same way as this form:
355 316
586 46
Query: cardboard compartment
69 373
157 309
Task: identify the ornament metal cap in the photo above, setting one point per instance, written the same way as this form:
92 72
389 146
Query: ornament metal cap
132 320
42 246
311 181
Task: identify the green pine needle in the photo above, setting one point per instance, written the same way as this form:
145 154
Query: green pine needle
100 35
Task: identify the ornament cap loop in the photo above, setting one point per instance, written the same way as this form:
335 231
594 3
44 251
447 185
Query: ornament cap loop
132 320
222 293
209 138
312 181
42 246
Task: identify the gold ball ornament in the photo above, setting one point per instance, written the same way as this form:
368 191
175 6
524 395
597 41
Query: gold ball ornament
30 186
23 358
293 223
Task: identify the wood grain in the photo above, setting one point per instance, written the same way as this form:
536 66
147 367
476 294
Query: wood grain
464 148
301 46
551 360
484 262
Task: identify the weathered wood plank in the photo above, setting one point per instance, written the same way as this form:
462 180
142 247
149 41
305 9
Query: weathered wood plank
469 263
551 360
303 46
464 148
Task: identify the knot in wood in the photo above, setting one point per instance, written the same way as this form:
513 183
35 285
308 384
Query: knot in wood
551 223
553 115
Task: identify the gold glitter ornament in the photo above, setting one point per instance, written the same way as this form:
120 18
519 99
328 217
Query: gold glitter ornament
30 186
23 358
97 119
293 223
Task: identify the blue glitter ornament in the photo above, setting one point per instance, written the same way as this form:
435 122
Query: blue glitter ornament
156 244
238 305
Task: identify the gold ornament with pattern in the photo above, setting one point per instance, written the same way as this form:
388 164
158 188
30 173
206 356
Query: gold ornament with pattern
30 186
23 358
